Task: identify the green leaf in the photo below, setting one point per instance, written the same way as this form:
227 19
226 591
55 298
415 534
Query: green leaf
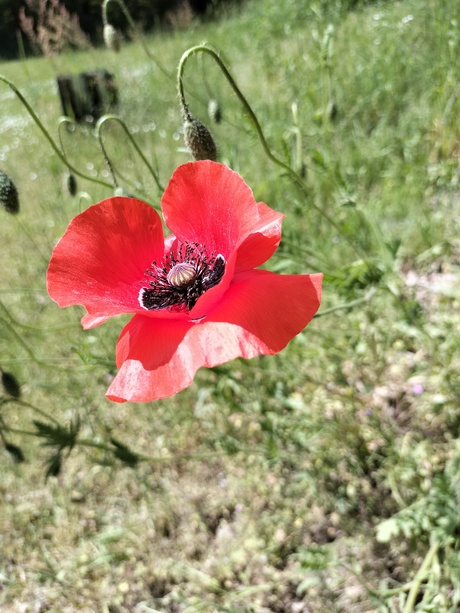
386 530
123 453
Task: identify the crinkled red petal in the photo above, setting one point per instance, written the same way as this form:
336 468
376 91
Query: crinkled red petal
101 260
260 313
207 203
263 241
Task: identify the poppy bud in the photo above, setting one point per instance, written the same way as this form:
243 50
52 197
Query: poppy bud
9 198
15 452
214 111
199 140
11 385
71 183
112 38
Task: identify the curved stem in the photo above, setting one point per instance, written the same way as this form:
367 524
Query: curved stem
27 405
348 305
106 118
64 120
420 577
105 153
47 135
255 122
29 350
139 36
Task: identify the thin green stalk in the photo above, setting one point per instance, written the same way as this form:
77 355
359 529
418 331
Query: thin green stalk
348 305
28 405
48 136
15 322
255 122
420 577
134 27
102 121
206 455
110 448
29 351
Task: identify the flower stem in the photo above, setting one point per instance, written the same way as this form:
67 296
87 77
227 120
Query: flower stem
139 36
420 577
102 121
27 405
48 136
348 305
296 178
15 322
29 351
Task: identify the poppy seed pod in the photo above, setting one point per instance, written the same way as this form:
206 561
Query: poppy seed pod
112 38
9 198
199 140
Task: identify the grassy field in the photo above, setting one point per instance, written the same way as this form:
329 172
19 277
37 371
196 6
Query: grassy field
325 478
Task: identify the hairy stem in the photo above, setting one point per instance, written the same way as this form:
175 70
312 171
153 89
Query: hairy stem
48 136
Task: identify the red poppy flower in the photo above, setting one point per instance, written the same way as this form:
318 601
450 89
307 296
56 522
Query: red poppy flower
197 296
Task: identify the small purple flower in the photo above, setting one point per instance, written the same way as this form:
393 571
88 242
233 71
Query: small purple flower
418 389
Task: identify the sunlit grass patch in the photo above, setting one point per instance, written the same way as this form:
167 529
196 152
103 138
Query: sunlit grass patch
323 478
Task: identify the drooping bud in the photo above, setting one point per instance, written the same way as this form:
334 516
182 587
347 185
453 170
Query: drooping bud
9 198
15 452
11 385
214 111
71 183
199 140
112 38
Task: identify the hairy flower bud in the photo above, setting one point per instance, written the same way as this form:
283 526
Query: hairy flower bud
15 452
112 38
214 111
71 183
9 198
11 385
199 140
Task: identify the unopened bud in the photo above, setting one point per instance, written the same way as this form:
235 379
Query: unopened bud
199 140
214 111
11 385
71 183
9 198
112 38
15 452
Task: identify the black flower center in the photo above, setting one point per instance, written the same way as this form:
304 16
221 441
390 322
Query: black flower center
181 279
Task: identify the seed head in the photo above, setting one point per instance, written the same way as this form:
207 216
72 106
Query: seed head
199 140
181 274
112 38
9 198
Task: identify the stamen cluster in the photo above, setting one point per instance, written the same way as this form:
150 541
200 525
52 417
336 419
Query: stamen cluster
184 276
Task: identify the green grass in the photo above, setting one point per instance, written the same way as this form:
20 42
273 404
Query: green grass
321 479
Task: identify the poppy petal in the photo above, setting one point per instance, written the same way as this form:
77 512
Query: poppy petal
207 203
91 321
101 260
269 309
147 356
263 241
260 313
